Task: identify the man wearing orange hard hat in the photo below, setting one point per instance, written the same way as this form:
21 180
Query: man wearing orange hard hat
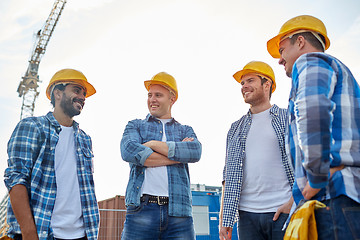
158 150
257 174
324 129
49 174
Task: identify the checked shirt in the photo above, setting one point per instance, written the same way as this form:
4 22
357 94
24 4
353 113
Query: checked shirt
324 127
31 151
235 156
138 132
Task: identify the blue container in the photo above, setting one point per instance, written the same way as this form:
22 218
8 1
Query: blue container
206 209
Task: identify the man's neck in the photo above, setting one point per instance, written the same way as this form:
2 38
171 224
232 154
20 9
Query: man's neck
260 108
62 118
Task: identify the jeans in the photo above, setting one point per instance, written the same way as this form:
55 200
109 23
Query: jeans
19 237
151 221
339 220
260 226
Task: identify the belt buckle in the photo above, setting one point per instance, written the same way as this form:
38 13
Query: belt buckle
158 201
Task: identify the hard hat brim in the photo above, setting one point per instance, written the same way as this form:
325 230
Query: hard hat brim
238 75
273 43
148 83
90 90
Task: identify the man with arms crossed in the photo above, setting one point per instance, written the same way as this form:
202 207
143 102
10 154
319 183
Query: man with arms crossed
158 149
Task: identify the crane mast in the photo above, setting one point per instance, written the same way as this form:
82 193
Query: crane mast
28 87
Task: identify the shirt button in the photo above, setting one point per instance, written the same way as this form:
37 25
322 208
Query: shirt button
44 232
160 131
137 187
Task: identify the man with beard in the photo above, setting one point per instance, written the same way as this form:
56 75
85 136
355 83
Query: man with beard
49 174
258 175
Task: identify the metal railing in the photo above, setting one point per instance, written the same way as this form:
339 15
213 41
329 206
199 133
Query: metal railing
112 223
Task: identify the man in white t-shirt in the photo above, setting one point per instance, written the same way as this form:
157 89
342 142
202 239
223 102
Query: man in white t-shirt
49 174
158 149
257 176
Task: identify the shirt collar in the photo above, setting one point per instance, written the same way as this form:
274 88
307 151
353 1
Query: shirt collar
274 111
55 123
149 117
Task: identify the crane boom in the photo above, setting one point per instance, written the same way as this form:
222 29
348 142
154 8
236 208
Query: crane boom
28 87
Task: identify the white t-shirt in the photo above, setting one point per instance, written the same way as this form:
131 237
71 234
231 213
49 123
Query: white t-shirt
67 220
156 178
265 185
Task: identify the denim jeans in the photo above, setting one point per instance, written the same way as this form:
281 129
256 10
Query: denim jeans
151 221
260 226
340 220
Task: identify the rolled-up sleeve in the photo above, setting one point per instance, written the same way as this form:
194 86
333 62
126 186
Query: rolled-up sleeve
132 150
185 152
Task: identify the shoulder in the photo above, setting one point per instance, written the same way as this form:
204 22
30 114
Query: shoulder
235 125
240 121
138 122
279 111
33 122
315 59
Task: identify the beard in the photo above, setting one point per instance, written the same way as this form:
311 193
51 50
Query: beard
67 104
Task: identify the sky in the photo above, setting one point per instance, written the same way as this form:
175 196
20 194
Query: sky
119 44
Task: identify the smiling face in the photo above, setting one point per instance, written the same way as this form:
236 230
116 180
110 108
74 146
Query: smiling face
288 54
160 101
253 91
73 100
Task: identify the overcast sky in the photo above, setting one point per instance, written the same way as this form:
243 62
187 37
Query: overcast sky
119 44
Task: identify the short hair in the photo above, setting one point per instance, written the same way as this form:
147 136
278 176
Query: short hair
311 39
60 87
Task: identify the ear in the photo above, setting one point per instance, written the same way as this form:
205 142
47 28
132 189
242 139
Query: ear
300 42
57 94
267 85
172 100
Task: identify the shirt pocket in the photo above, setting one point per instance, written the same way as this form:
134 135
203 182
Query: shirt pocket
86 156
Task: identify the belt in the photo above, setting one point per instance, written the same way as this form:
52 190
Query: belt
155 199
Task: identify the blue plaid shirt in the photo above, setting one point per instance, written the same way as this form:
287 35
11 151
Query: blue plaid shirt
235 156
138 132
31 151
324 127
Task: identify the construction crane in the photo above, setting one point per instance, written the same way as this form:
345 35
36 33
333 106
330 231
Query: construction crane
28 87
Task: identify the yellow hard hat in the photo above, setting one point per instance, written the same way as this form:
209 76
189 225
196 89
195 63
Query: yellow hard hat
70 76
259 68
303 22
165 79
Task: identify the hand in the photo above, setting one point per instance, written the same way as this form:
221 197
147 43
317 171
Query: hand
225 233
309 192
285 208
187 139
